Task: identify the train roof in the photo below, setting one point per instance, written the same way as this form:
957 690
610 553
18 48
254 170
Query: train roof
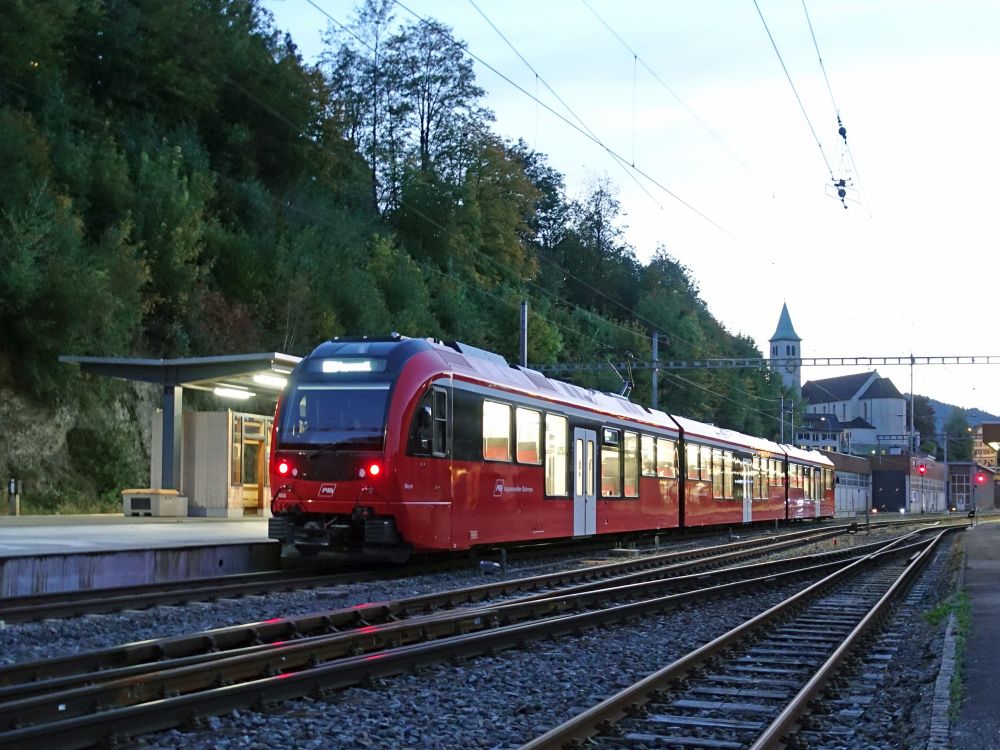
492 367
812 456
712 433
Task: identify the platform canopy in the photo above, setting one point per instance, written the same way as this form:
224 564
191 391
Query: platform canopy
255 374
230 376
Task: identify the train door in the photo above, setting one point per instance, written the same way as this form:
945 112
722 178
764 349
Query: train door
584 482
748 479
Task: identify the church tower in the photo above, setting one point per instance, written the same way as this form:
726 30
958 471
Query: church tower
786 353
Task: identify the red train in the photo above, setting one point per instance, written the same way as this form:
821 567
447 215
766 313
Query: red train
383 447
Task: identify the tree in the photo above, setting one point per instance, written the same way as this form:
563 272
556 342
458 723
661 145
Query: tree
924 422
957 434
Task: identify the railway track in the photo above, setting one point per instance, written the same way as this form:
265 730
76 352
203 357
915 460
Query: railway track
754 686
30 608
148 686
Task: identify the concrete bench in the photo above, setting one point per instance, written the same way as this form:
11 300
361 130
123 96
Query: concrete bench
154 503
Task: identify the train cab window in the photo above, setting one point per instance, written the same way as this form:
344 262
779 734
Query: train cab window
528 424
611 463
666 458
429 432
496 431
691 454
647 449
556 441
631 468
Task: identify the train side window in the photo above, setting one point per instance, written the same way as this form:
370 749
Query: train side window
718 477
429 432
631 473
556 439
440 416
528 423
422 429
496 431
666 458
691 461
807 481
647 445
611 463
727 468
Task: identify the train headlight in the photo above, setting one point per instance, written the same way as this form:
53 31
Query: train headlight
372 470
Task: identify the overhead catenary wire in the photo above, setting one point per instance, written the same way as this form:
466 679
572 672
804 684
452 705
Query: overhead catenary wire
676 96
794 90
705 217
540 79
829 88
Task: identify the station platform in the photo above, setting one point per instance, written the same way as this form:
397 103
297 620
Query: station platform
977 726
46 554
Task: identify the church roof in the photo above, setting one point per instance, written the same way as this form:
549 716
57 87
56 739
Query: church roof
847 387
828 390
785 331
882 388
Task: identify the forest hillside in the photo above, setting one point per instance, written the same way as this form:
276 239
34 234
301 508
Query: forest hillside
178 182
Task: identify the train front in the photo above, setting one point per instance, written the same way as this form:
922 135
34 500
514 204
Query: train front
330 480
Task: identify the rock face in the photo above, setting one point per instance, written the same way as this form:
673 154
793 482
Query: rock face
67 455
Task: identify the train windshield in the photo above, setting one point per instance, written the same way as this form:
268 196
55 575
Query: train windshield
345 415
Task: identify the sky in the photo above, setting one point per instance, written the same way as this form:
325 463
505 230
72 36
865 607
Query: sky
908 268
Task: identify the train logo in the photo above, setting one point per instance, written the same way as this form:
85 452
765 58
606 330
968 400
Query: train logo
498 488
327 490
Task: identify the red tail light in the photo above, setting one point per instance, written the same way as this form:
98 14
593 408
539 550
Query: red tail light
374 470
284 467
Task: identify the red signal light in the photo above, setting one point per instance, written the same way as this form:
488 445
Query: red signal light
922 469
980 477
283 467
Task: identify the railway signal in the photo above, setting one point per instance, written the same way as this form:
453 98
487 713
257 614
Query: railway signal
922 469
980 478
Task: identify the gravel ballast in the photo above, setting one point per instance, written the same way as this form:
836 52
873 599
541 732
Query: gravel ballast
492 702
